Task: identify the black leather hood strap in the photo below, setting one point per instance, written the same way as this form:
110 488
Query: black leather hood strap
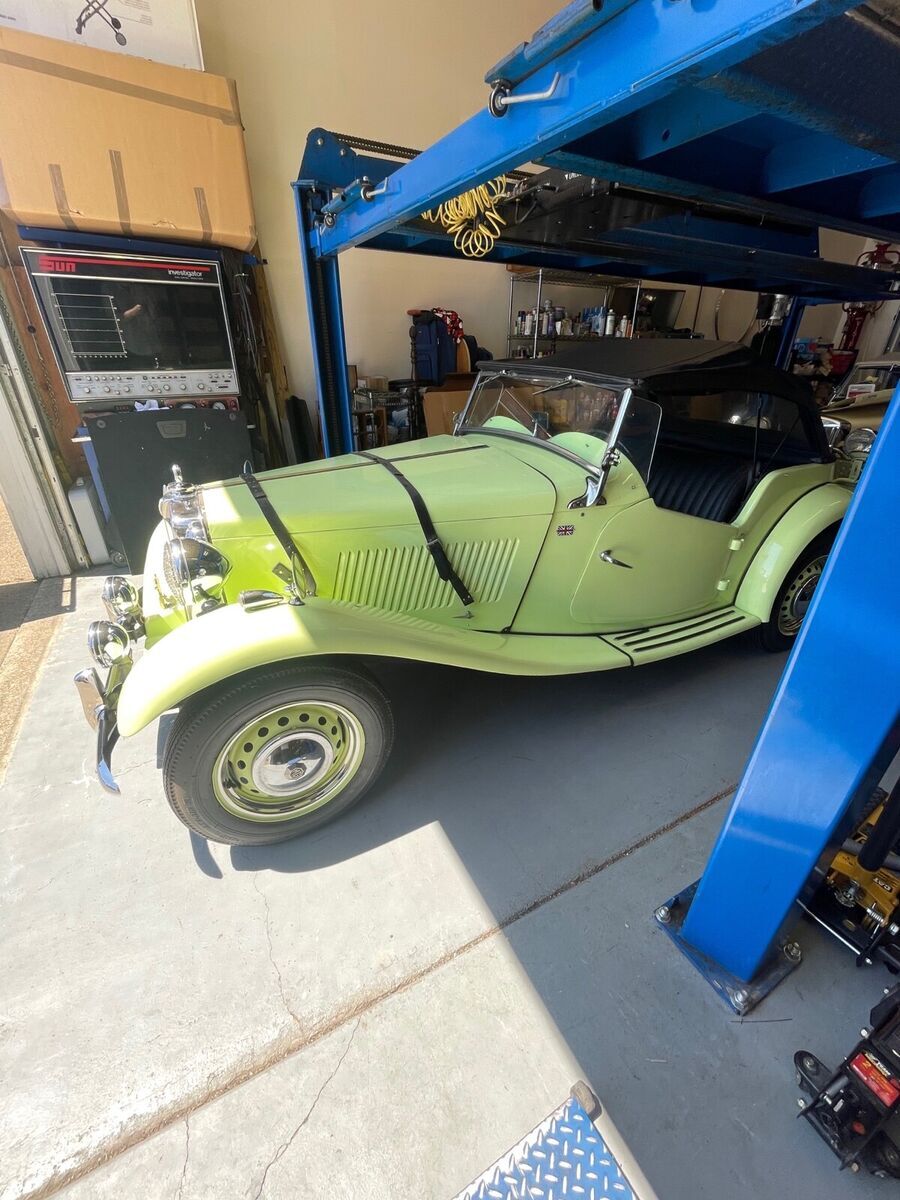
278 527
433 542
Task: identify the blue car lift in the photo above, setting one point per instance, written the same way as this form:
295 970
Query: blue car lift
760 122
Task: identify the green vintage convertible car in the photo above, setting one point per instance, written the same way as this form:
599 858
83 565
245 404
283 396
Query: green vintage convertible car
606 507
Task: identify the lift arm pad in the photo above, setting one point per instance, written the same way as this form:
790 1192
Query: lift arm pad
803 522
231 640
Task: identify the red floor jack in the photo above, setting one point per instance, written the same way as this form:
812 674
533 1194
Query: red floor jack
856 1109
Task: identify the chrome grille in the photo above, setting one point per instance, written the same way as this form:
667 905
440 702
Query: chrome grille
169 571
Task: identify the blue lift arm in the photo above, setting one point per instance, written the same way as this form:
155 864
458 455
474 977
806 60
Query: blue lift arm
739 107
678 45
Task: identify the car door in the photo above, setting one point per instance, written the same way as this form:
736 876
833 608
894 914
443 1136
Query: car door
649 565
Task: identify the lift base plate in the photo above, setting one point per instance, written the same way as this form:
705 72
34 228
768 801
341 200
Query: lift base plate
739 994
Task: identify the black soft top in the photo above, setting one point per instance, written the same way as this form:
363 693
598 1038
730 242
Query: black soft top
675 366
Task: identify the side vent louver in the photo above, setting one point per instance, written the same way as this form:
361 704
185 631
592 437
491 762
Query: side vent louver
403 578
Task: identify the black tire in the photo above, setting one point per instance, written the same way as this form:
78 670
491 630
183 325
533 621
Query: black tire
778 634
197 758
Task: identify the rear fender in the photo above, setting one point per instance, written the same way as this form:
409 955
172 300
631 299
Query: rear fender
811 515
231 640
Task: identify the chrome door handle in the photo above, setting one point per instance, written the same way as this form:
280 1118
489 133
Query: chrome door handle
607 557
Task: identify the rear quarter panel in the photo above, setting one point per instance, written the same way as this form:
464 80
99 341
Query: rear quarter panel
810 515
768 504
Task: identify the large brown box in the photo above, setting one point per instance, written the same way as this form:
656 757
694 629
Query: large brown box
442 405
105 143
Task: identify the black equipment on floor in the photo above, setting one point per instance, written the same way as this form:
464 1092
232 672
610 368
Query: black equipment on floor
856 1109
858 901
135 452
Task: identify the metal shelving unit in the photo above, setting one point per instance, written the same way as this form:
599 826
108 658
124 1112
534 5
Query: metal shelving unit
541 278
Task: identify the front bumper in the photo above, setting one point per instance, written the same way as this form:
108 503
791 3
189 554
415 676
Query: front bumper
101 716
111 645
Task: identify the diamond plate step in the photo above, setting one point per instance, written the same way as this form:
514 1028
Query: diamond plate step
564 1156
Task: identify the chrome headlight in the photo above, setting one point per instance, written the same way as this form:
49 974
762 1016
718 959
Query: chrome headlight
190 561
120 598
858 443
108 643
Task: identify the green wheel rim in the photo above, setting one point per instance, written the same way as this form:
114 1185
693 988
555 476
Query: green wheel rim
289 761
798 596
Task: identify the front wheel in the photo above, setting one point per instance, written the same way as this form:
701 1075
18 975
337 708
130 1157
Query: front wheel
793 600
277 754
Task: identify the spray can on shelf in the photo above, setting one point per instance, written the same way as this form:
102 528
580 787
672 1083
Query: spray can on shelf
610 326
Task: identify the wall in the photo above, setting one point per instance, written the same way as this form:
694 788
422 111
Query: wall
404 72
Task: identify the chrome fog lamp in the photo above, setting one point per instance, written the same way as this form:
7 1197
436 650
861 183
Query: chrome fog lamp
120 598
108 643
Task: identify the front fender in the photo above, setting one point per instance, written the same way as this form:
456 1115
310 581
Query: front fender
231 640
811 515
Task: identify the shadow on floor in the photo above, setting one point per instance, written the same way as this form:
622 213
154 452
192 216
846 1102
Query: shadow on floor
33 600
15 601
456 762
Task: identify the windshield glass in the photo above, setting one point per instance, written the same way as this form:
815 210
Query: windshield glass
864 380
565 413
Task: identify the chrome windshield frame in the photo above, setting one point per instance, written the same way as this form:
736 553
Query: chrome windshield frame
611 457
597 477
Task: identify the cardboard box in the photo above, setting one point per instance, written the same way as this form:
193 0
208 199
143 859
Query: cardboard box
442 405
104 143
164 30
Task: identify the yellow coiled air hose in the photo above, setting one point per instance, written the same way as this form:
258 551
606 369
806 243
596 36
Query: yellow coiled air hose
472 218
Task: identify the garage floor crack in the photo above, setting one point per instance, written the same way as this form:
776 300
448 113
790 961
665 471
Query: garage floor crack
285 1146
275 967
187 1154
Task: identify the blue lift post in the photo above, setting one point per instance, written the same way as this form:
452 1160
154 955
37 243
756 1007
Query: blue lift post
322 280
830 734
774 108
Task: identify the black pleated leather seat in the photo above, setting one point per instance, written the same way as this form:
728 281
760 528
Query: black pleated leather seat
699 485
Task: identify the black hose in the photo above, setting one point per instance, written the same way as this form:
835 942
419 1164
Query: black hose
891 861
877 851
883 838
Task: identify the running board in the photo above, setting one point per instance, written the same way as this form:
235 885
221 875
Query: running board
678 637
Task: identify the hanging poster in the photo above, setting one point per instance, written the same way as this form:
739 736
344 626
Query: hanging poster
162 30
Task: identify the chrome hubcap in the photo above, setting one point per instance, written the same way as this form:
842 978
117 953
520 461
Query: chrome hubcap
289 761
798 597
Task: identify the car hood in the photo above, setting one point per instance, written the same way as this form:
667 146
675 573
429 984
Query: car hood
459 479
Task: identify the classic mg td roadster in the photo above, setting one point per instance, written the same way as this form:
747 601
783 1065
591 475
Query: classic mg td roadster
606 507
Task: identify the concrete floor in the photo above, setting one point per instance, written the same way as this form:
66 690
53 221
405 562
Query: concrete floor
380 1010
27 612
